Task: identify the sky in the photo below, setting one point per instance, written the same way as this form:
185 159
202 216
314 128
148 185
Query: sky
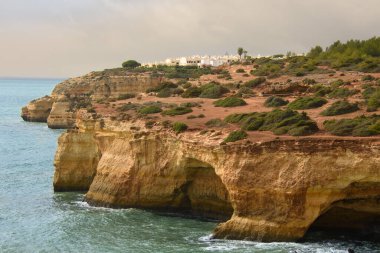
67 38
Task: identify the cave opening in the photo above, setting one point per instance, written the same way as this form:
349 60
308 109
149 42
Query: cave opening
203 193
349 219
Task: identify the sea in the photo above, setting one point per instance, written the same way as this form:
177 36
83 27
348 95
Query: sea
35 219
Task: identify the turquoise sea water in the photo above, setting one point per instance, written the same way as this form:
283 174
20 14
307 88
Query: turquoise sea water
35 219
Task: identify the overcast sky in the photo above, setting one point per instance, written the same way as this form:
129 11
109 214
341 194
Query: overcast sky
65 38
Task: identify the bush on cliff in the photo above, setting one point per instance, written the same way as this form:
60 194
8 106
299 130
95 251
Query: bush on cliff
179 127
212 90
341 93
277 121
274 101
235 136
149 109
215 123
192 92
230 102
340 107
255 82
304 103
373 101
177 111
126 96
359 126
131 64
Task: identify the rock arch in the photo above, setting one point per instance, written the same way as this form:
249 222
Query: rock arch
202 192
357 213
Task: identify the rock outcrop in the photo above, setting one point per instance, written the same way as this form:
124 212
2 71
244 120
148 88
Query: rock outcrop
58 111
270 191
38 110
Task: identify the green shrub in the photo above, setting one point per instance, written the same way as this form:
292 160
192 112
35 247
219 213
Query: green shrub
368 91
340 107
177 91
212 90
255 82
368 78
240 71
308 81
201 115
304 103
274 101
162 86
244 91
341 93
129 106
164 93
126 96
177 111
191 92
236 136
230 102
149 109
190 104
321 90
179 127
277 121
192 117
359 126
373 102
215 123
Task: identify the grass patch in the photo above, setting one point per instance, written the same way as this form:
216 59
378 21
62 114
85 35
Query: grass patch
340 107
230 102
304 103
177 111
359 126
235 136
274 101
179 127
278 121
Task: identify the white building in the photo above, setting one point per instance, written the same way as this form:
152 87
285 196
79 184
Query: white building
197 60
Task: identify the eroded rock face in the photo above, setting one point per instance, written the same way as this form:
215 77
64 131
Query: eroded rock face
61 117
75 161
37 110
272 191
56 109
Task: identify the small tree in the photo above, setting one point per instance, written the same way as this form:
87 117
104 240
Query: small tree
240 51
131 64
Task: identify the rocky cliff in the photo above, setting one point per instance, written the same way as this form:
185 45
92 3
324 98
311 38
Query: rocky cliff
268 191
59 109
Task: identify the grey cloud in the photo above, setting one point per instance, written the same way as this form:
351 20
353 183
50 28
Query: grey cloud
72 37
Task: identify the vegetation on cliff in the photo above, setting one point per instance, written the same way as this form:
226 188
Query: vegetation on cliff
274 101
230 102
359 126
235 136
304 103
340 107
278 121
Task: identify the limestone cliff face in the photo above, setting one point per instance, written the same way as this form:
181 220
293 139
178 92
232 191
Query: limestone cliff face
75 161
37 110
57 110
272 191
